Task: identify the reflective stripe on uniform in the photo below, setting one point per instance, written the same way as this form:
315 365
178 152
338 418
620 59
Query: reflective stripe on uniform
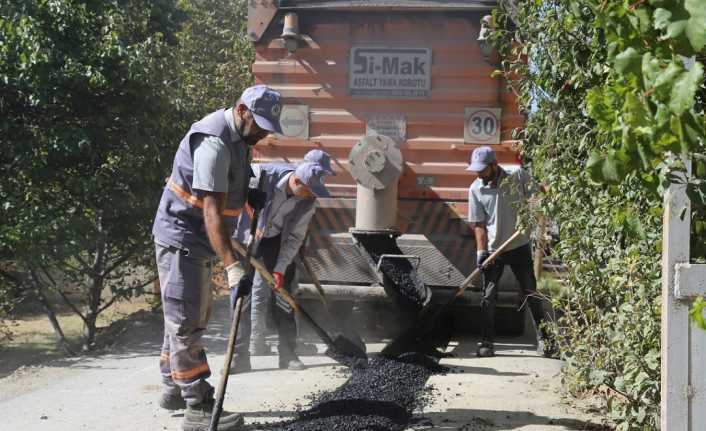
191 373
197 202
249 210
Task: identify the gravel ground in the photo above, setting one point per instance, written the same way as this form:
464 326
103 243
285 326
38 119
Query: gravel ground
118 391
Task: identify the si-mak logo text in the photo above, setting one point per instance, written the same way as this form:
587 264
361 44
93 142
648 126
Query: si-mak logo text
389 72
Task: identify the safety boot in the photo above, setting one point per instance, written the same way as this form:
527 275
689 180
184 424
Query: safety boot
291 363
485 349
198 418
172 402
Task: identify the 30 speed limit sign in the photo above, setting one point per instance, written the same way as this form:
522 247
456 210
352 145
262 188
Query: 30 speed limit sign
482 126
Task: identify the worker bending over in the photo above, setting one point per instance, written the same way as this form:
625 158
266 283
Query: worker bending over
198 210
291 192
493 201
261 299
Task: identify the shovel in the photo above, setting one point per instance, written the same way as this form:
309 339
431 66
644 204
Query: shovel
416 336
357 339
234 325
340 348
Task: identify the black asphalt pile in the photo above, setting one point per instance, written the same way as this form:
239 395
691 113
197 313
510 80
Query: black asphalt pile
381 397
399 275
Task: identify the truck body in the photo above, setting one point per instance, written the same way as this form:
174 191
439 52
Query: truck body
411 70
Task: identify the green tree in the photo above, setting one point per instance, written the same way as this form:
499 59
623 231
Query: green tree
215 56
87 112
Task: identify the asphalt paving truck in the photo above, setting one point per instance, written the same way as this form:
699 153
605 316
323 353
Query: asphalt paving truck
398 92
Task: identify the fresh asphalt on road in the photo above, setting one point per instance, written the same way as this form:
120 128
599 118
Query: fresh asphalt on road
516 390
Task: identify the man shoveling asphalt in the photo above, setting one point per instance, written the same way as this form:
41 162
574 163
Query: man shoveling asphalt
261 299
204 195
493 199
291 192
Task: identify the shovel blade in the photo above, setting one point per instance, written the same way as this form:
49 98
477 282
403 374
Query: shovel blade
347 352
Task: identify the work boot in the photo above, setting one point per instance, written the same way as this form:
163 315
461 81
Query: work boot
198 418
240 364
261 349
291 363
172 402
306 349
485 349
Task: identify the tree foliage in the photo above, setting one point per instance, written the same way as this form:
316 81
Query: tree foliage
614 100
214 57
86 107
95 97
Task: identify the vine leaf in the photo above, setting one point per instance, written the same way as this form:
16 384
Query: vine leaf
684 90
696 28
629 61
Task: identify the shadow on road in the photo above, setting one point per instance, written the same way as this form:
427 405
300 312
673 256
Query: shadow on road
488 420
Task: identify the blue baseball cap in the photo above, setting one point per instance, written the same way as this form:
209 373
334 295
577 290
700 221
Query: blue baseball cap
311 174
321 158
481 158
265 105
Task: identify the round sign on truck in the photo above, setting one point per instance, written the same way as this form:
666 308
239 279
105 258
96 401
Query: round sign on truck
482 126
294 120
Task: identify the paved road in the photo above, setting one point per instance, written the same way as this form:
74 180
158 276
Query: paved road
514 391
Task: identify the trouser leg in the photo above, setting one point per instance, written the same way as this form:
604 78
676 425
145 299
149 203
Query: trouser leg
260 309
489 299
520 261
283 315
284 320
169 387
164 258
186 296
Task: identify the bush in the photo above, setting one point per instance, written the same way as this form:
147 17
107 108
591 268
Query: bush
611 108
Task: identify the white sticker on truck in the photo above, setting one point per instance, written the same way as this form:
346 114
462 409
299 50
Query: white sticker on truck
389 72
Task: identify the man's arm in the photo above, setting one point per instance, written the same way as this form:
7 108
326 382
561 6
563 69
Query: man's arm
216 227
481 234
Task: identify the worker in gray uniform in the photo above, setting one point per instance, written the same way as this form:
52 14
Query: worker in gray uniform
291 192
493 201
204 195
261 299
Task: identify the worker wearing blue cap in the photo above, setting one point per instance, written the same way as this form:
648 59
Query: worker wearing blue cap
321 158
493 201
204 196
291 192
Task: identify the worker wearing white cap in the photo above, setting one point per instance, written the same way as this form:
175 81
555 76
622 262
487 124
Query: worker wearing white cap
493 201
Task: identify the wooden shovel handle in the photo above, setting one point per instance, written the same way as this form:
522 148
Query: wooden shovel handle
266 275
467 282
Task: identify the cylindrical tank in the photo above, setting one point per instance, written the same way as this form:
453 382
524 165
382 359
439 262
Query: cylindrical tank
376 164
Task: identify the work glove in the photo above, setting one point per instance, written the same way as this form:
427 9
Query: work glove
279 280
238 282
481 257
256 198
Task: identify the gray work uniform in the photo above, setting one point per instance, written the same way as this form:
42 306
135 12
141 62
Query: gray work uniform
211 157
281 230
497 208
